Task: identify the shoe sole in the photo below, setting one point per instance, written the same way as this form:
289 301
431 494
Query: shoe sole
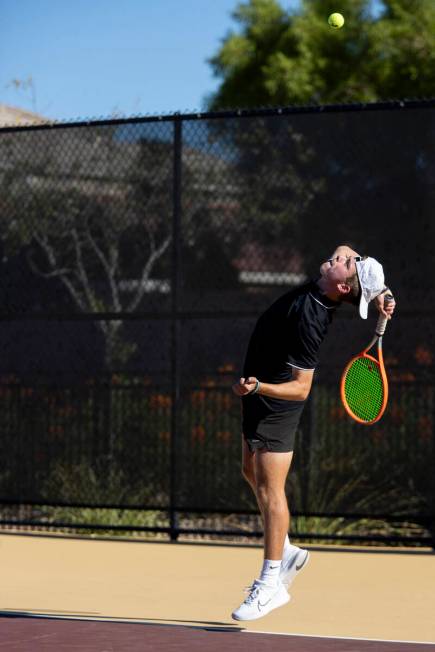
287 578
284 600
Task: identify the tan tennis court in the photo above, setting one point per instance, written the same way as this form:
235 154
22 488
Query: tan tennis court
70 593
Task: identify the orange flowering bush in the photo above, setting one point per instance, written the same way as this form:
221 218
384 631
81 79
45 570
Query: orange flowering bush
423 355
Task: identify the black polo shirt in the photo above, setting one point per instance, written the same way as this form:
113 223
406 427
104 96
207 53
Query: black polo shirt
287 336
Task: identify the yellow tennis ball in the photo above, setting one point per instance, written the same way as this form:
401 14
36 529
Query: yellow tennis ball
336 20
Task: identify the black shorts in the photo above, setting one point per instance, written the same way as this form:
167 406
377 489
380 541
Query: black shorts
275 431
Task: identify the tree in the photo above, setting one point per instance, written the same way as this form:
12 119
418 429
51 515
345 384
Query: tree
279 57
91 209
331 166
89 232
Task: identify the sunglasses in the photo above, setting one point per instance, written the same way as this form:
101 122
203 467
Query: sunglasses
357 259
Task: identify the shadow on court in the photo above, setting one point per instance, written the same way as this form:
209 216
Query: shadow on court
20 632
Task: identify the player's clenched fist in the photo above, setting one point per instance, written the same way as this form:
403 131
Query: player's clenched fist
244 386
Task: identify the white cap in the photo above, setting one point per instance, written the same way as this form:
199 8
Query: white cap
372 281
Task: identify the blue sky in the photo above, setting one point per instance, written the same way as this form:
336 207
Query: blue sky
98 58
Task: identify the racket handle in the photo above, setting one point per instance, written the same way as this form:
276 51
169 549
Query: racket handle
383 321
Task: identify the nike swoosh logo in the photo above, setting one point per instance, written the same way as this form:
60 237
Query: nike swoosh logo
273 567
260 605
298 568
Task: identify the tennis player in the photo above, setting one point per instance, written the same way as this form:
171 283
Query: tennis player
277 376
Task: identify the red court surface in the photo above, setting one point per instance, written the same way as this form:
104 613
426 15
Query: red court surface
79 594
50 635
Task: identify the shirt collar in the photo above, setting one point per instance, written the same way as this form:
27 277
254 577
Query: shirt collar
321 298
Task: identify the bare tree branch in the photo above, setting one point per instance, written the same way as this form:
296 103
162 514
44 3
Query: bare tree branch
110 268
82 271
155 255
74 293
61 273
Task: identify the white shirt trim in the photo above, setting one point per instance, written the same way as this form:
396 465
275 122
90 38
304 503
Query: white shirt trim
322 304
301 368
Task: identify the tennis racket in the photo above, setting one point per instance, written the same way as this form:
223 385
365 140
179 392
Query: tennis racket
364 384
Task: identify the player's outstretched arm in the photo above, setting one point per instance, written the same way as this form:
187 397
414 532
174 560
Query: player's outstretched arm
296 389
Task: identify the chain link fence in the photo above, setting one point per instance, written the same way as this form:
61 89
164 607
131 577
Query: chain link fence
136 257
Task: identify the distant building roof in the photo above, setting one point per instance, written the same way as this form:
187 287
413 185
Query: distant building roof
11 116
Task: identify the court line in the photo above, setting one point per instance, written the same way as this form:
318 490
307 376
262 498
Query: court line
207 626
341 638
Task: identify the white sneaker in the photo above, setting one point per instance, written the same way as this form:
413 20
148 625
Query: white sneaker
261 600
292 565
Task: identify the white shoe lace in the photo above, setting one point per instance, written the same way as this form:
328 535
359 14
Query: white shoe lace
252 591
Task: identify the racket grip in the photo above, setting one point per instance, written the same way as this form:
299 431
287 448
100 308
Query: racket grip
383 321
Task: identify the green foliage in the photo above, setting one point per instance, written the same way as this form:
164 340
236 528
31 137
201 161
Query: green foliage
338 472
82 482
402 49
280 57
55 445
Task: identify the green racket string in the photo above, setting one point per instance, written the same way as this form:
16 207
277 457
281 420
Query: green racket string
364 389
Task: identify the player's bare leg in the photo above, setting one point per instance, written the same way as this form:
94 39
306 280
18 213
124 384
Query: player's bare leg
267 477
249 464
248 470
271 470
271 474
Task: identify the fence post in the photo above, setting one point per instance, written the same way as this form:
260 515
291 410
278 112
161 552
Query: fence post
175 324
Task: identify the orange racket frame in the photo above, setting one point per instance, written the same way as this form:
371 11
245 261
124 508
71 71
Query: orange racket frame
380 330
381 366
